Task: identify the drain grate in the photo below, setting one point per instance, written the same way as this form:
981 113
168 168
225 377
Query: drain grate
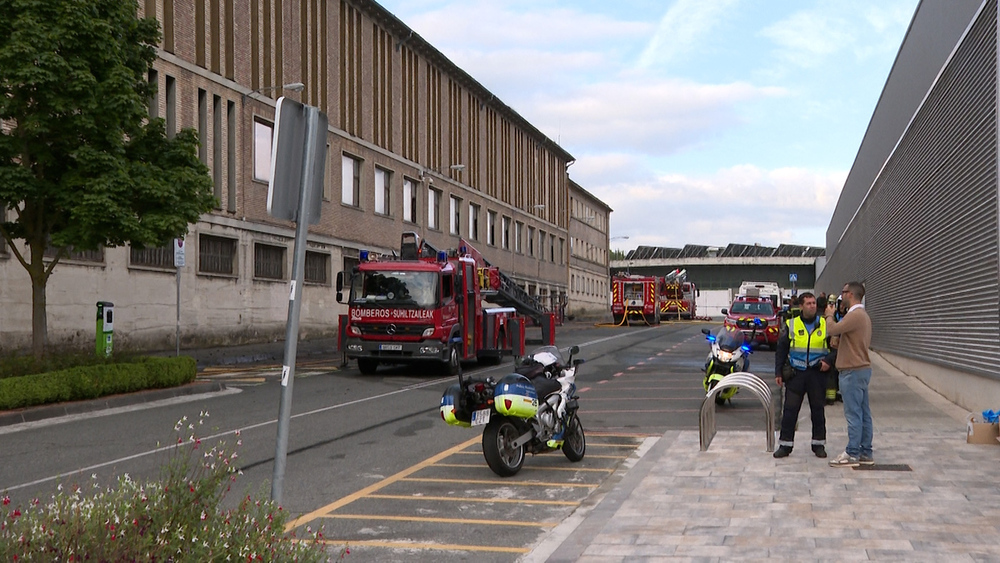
884 467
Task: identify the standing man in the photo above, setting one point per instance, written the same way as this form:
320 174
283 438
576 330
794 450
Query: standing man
855 331
802 345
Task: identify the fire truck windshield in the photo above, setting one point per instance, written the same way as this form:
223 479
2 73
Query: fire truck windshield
396 289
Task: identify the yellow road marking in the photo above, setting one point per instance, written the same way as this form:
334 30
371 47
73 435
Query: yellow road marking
530 467
611 445
441 520
616 435
439 546
492 482
376 486
474 499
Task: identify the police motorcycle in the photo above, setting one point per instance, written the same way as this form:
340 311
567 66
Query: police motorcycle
730 353
532 410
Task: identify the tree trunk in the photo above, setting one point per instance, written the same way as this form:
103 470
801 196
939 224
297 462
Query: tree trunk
39 326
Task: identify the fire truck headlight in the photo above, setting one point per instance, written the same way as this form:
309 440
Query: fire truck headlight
354 331
430 350
428 333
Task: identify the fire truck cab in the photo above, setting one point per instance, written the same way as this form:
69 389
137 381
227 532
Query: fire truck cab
745 309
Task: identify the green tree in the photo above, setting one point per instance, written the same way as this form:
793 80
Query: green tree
617 254
81 164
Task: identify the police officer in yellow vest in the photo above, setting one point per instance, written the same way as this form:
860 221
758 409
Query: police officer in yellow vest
800 365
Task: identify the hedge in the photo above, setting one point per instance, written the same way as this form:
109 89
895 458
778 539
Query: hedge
91 382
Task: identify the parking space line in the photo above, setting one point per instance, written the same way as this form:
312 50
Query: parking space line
436 546
495 482
479 453
474 499
531 467
440 520
612 445
377 486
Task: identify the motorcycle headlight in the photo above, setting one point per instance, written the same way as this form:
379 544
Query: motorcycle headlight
725 356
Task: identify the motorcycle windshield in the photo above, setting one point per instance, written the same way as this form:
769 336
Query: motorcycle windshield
539 355
729 338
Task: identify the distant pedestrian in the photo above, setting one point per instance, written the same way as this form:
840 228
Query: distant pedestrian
833 376
855 331
802 345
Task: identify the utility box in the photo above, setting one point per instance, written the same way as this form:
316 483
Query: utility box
105 328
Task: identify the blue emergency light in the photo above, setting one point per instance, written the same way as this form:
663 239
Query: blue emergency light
710 338
442 256
745 347
463 250
363 255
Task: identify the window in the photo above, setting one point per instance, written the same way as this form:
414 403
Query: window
505 232
455 214
473 221
409 201
262 133
491 228
96 256
531 241
203 126
448 287
433 208
350 181
383 200
216 255
350 262
317 268
562 246
158 257
518 232
268 261
154 104
552 248
541 244
171 102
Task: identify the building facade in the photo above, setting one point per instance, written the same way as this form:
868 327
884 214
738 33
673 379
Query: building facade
588 253
917 219
414 144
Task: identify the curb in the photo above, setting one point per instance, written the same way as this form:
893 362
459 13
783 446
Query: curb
34 414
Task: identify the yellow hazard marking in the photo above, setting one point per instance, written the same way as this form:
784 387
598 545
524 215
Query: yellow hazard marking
441 520
377 486
439 546
477 499
495 482
530 467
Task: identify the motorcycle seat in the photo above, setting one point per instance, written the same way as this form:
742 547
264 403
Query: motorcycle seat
545 386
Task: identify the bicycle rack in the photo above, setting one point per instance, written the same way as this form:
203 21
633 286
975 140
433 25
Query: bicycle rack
745 380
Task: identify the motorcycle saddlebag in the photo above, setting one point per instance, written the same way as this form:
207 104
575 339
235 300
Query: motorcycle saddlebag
515 396
451 410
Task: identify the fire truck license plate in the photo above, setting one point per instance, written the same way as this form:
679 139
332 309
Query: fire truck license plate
393 347
480 417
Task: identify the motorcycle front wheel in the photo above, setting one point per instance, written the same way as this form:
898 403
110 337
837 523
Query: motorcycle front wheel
575 444
502 457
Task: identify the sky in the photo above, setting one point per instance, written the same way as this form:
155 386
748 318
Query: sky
697 121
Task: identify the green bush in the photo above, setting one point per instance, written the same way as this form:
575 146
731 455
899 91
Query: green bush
177 518
93 381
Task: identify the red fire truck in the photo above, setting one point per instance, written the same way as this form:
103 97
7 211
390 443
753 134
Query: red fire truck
677 296
427 306
635 297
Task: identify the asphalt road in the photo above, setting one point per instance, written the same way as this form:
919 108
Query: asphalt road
370 460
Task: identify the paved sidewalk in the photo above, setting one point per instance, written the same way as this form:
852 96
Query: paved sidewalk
736 502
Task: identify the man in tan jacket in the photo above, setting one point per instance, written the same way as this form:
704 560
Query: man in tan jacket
855 331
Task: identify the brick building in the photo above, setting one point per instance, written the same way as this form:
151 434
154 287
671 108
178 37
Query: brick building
589 260
414 144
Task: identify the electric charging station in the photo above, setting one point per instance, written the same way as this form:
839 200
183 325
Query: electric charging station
105 328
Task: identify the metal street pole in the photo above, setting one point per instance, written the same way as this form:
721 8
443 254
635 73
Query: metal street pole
295 302
177 332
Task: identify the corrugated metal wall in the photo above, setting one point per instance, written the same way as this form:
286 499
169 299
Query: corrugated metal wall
925 240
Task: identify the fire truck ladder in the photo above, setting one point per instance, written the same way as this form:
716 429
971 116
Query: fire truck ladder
510 294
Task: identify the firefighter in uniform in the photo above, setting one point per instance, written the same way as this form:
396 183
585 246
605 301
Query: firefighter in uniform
800 365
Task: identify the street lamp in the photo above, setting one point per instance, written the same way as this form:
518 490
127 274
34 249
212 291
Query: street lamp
622 237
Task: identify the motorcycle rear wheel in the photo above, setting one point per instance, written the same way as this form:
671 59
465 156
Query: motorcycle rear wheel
504 459
575 444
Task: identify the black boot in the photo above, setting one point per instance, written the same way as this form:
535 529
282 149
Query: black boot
782 451
820 451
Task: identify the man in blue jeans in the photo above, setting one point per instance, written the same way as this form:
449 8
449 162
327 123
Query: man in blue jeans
855 331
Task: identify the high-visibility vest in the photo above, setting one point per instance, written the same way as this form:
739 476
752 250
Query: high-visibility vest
807 348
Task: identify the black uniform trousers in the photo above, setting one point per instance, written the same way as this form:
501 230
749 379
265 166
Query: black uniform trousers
811 383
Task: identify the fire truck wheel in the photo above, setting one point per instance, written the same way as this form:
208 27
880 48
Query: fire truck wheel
367 366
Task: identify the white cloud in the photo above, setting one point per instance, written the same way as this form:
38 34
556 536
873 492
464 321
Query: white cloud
680 29
645 117
742 204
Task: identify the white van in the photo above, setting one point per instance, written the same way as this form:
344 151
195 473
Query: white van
768 289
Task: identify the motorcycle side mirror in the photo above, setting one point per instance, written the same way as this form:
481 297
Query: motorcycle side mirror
725 311
706 331
578 361
574 350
